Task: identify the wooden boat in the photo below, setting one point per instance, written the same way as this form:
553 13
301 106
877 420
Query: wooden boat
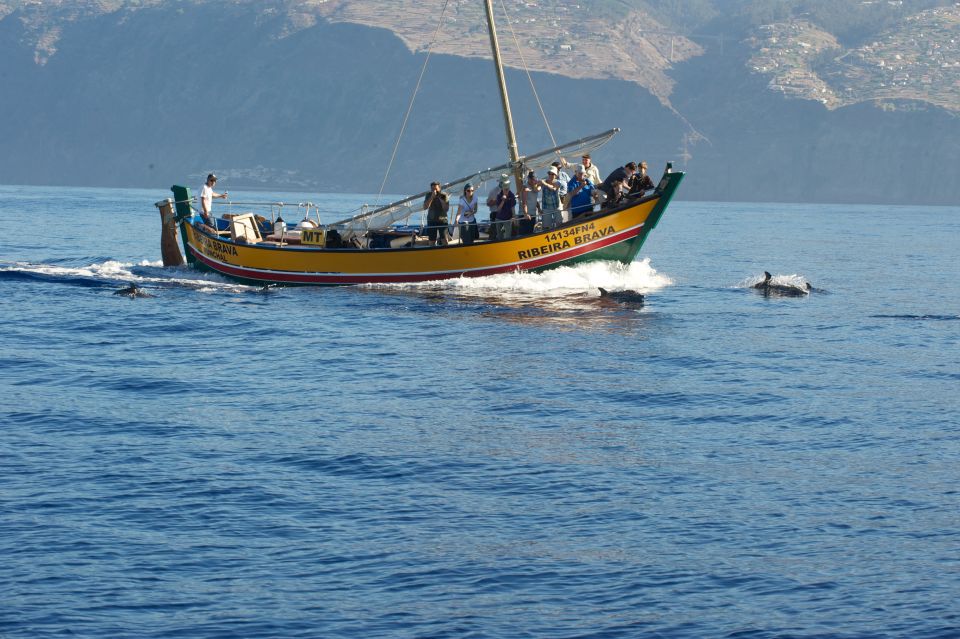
371 248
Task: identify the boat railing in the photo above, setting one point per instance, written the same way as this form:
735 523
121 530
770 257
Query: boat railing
401 233
306 210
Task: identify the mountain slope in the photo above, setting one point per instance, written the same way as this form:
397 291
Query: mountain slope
299 94
918 60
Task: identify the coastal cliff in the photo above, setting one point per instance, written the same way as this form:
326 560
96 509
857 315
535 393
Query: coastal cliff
311 96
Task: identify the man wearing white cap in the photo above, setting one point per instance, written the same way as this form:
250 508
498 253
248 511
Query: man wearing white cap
550 200
564 179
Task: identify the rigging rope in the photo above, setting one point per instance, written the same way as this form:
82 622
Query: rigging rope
413 205
412 99
529 77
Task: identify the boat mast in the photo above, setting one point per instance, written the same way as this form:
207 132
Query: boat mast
504 100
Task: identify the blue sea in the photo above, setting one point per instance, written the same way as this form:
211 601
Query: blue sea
512 456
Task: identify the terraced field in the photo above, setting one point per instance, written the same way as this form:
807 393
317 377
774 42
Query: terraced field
920 60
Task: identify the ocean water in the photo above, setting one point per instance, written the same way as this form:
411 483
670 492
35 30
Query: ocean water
504 457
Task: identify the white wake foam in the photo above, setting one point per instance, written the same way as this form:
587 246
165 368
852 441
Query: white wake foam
144 273
562 281
110 269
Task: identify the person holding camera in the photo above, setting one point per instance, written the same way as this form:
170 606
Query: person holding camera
502 202
552 193
467 215
617 183
581 193
436 203
529 204
640 183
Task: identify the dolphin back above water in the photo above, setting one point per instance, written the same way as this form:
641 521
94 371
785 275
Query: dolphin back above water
770 288
623 297
132 292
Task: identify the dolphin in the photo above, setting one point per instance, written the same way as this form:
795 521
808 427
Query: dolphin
766 281
768 288
623 297
132 291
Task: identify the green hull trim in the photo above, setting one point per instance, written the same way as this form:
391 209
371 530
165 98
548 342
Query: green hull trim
627 251
181 199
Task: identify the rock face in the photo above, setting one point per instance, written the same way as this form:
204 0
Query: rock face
311 95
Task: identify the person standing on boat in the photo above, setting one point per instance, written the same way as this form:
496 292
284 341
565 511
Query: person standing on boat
206 200
492 203
616 183
564 178
640 183
550 199
591 169
529 204
581 191
505 202
466 215
436 203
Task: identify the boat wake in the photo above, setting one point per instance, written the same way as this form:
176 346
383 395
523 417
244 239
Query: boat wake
565 296
108 273
560 289
583 279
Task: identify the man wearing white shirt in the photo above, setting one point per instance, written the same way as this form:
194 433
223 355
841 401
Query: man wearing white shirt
206 200
591 170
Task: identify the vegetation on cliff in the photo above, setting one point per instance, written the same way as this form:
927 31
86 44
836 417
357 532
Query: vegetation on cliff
837 52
